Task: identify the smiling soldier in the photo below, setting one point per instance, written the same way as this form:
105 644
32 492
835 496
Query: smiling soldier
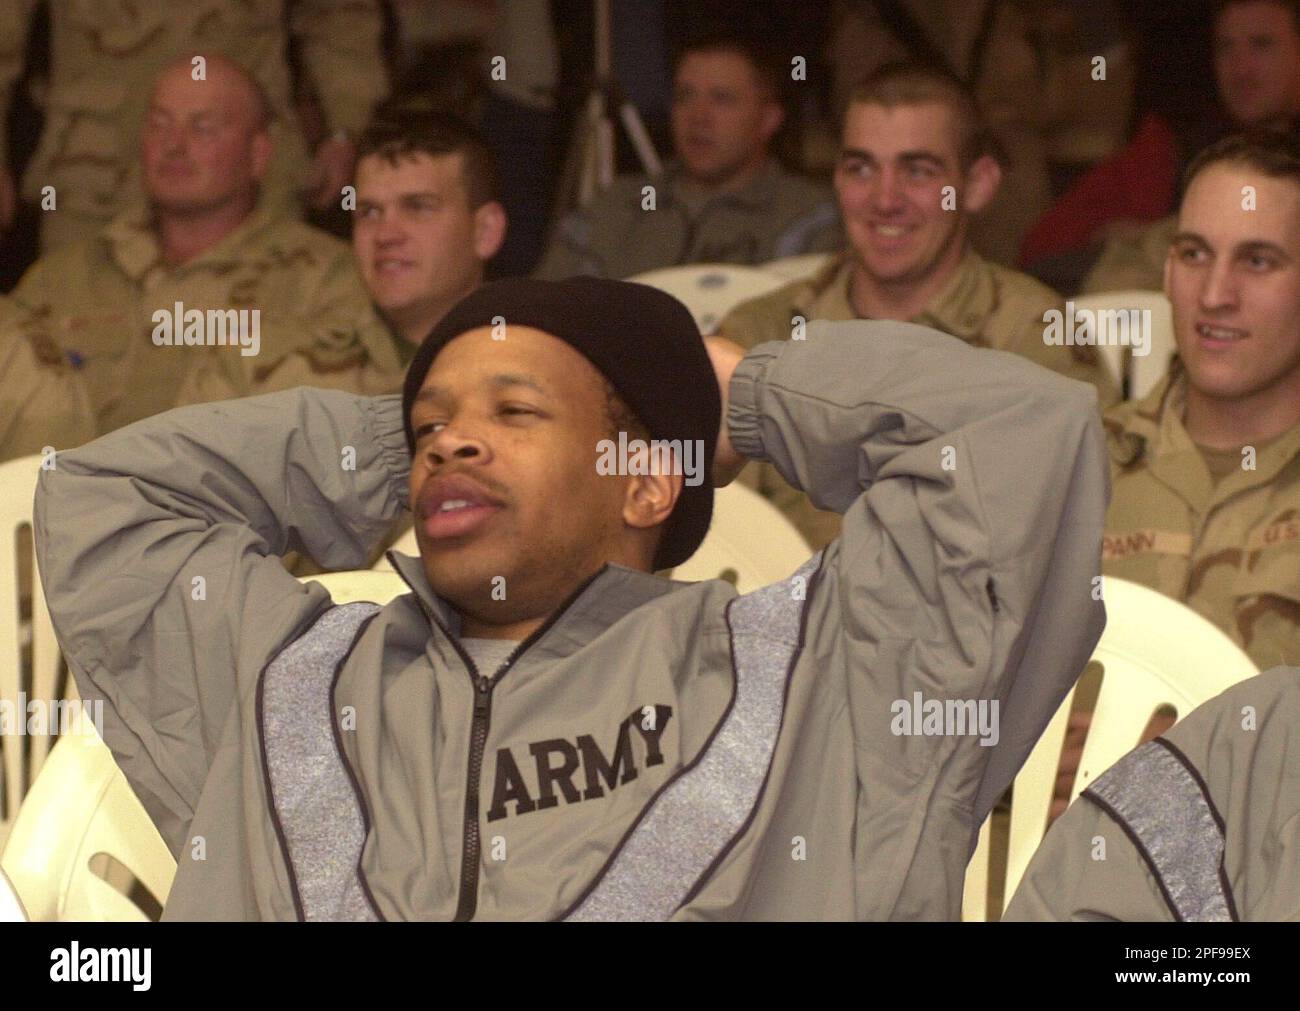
542 727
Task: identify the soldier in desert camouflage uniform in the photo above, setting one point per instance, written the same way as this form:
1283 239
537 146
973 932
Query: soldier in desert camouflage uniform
205 243
106 53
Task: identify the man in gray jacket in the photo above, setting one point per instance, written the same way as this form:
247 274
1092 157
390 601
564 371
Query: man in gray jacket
542 728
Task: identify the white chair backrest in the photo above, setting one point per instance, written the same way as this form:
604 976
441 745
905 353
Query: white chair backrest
795 268
1148 310
11 907
377 585
19 579
711 290
79 808
1154 652
749 544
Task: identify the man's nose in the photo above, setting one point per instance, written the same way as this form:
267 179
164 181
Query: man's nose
389 232
886 193
455 442
1219 289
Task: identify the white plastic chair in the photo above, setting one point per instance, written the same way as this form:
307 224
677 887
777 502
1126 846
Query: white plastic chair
711 290
81 806
749 544
17 489
11 907
1144 371
795 268
1154 652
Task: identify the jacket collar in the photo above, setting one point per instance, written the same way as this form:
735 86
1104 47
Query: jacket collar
608 596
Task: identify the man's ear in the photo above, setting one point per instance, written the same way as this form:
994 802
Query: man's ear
489 230
260 154
982 181
773 117
650 498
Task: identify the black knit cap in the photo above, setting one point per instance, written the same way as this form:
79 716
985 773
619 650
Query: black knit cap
641 339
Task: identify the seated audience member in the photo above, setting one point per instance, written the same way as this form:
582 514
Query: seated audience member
1197 825
494 446
725 199
1257 73
985 44
1206 493
913 170
42 400
204 294
1205 503
428 219
102 58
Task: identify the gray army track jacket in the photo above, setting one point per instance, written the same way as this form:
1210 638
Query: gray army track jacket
973 485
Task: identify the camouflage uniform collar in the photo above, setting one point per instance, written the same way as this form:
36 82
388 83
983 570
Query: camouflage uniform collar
1152 428
133 241
825 295
962 308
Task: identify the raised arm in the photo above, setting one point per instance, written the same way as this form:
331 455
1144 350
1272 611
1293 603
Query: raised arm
973 486
158 547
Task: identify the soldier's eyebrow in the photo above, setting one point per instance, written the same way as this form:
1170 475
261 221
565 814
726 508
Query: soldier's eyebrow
1192 237
917 157
1252 246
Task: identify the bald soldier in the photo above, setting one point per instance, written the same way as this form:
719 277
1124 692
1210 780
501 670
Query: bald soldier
105 55
912 173
203 293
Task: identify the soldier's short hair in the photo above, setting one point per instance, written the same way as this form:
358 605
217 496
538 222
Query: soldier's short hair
1290 5
1273 153
399 133
720 39
913 82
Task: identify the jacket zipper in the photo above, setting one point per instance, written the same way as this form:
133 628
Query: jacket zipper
471 839
472 844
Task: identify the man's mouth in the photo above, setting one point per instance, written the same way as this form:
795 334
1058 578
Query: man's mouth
387 266
1219 336
455 506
